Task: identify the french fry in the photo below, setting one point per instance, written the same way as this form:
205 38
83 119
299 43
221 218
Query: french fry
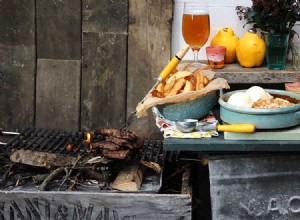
201 86
188 86
169 86
192 80
160 87
199 81
157 94
178 75
179 82
205 80
178 85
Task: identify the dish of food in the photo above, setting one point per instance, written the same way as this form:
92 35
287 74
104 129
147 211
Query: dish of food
257 97
263 118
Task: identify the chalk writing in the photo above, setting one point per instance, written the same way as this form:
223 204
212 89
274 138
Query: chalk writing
279 206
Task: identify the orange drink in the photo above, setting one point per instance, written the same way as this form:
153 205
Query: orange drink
196 26
195 29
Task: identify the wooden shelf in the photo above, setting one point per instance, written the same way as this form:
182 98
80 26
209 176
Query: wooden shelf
234 73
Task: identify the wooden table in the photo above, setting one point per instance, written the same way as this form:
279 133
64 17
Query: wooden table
219 144
234 73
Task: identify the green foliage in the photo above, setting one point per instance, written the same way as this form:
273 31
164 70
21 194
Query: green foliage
273 16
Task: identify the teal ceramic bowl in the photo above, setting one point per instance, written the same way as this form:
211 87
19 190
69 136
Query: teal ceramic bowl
261 118
193 109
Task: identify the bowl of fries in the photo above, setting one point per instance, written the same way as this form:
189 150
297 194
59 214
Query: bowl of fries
179 84
192 109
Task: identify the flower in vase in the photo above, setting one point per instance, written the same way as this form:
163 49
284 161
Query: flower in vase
272 16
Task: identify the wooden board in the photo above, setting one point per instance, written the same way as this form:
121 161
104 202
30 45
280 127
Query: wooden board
105 16
17 66
59 29
103 102
234 73
58 94
89 206
255 186
149 38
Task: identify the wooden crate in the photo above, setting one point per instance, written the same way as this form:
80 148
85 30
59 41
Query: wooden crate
255 187
89 206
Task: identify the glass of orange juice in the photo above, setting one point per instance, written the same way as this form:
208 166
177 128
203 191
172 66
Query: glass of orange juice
196 26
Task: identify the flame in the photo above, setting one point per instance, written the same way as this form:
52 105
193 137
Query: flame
69 147
88 139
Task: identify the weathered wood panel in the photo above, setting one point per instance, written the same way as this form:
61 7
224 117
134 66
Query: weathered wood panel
149 34
89 206
103 97
255 187
104 63
17 63
58 94
234 73
105 16
59 29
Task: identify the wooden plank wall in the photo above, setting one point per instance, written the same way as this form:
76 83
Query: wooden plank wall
80 64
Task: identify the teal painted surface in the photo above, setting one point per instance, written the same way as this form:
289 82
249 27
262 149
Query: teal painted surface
261 118
193 109
292 133
219 144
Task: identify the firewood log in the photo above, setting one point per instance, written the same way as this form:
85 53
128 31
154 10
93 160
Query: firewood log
42 159
130 178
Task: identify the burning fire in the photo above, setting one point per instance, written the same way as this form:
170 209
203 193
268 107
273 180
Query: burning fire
88 139
69 147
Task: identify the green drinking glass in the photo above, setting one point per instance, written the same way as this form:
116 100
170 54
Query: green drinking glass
277 47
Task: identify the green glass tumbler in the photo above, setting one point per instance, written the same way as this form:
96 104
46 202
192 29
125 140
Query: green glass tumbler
277 47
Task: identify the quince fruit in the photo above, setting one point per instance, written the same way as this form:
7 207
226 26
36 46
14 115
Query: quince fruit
227 38
251 50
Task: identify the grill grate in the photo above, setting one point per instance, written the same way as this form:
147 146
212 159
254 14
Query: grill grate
153 151
56 141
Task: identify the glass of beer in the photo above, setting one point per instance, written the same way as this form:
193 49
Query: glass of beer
196 26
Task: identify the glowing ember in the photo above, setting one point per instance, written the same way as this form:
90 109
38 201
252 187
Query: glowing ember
69 147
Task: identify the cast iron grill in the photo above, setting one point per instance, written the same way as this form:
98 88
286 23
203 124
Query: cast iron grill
153 151
46 140
57 141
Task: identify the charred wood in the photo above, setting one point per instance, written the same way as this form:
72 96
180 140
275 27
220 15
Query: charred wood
186 176
52 176
152 165
4 177
69 172
95 175
39 178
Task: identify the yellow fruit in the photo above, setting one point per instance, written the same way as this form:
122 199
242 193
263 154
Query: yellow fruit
226 37
251 50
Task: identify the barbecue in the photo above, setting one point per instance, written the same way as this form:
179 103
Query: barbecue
56 160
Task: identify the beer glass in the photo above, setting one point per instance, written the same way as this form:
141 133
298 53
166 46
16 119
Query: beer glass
195 26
